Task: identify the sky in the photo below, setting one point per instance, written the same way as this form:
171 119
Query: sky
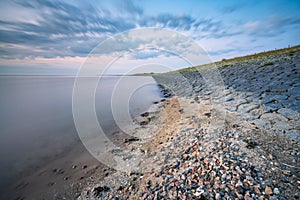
58 37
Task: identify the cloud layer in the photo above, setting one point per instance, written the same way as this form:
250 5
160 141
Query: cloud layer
50 29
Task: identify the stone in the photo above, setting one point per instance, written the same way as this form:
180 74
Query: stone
217 196
261 198
97 190
145 114
273 98
268 190
246 108
84 166
256 190
276 191
273 116
142 120
229 98
247 197
289 114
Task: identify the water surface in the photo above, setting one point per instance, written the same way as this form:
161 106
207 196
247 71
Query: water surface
36 120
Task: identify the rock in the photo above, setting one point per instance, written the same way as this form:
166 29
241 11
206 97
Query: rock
251 143
84 166
217 196
287 172
142 120
228 98
199 192
268 190
273 116
127 140
58 171
145 114
208 114
247 197
240 196
256 190
261 198
276 191
246 108
97 190
290 114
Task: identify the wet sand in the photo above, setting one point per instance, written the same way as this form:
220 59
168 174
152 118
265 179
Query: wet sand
42 154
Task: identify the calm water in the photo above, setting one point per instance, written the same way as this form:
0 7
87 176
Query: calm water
36 120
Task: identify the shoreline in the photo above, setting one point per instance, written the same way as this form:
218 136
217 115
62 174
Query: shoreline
242 145
238 149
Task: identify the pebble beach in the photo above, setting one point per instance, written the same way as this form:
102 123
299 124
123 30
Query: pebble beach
246 147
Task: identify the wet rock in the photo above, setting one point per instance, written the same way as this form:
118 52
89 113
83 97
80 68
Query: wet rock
145 114
84 166
58 171
142 120
128 140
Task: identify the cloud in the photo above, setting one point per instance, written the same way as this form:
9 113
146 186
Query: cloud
182 22
145 55
274 25
50 29
65 29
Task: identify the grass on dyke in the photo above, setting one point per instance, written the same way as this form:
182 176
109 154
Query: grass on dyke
231 62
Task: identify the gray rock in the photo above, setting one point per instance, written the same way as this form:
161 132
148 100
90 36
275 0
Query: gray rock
276 191
281 126
294 134
290 114
270 98
229 98
273 117
246 108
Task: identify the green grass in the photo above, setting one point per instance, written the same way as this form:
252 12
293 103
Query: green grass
231 61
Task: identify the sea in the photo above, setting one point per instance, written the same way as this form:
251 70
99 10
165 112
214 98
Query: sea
37 121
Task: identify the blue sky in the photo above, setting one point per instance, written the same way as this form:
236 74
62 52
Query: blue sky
55 37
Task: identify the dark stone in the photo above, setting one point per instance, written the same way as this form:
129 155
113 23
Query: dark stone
127 140
207 114
145 114
98 190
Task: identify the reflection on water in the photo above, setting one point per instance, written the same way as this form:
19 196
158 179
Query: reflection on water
36 120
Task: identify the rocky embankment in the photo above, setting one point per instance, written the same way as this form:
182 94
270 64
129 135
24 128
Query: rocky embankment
263 91
242 144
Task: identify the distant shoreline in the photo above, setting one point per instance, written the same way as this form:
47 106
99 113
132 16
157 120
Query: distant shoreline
69 76
223 61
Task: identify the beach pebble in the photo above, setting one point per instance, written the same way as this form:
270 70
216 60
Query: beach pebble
268 190
276 191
